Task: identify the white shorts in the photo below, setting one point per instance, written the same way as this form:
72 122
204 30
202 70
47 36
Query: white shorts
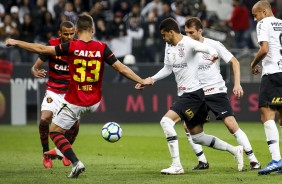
69 113
52 101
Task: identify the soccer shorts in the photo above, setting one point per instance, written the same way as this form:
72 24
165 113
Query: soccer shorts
69 113
52 101
271 90
220 105
191 108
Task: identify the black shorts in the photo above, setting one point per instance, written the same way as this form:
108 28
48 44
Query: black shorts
220 105
191 108
271 90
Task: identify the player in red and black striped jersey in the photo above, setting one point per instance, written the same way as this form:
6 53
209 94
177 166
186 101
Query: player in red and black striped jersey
57 86
86 60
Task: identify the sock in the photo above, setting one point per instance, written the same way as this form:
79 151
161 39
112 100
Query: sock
64 146
243 140
44 132
168 127
272 138
72 133
213 142
198 150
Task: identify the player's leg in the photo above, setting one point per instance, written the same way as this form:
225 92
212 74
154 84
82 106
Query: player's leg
279 116
242 139
45 120
167 124
199 137
198 150
272 138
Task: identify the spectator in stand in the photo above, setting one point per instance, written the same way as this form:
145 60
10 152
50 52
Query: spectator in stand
27 34
78 7
10 29
59 8
117 28
152 5
24 8
183 5
68 11
96 11
135 11
2 12
239 23
101 33
123 6
151 38
14 11
48 29
136 33
38 15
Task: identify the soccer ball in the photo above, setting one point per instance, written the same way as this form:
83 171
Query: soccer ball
111 132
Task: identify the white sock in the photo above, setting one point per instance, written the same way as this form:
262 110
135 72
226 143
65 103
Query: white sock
243 140
198 150
213 142
168 127
272 138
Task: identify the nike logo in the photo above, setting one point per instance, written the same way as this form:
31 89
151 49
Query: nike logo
224 112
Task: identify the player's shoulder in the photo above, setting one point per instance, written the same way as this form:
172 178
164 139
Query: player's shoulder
54 41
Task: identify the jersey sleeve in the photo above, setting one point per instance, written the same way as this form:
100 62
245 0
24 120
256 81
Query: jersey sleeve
109 56
201 47
223 53
44 57
262 31
62 49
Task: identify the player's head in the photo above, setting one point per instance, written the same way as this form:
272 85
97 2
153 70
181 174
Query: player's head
169 28
194 28
261 10
85 23
67 31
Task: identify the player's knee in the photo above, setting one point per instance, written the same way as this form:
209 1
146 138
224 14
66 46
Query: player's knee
45 120
198 138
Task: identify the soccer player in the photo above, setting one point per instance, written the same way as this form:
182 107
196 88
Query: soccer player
57 85
86 59
216 92
269 34
181 58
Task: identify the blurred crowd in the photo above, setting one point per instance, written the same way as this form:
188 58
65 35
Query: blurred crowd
137 20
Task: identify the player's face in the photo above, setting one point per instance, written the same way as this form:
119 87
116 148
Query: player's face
167 36
193 33
67 34
258 14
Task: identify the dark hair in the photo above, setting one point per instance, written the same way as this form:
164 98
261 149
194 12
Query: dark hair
66 24
194 21
169 24
84 22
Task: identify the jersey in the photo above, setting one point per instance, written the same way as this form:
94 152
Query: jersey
183 61
209 73
59 77
269 29
86 66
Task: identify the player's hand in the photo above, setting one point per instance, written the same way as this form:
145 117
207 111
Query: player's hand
146 82
39 73
213 58
256 70
238 91
10 42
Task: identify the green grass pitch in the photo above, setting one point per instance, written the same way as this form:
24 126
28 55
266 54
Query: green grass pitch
137 158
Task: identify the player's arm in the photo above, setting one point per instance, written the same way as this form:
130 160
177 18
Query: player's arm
201 47
36 70
32 47
262 52
127 72
237 89
163 73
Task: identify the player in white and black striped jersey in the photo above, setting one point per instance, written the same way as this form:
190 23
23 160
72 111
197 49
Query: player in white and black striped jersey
269 33
216 92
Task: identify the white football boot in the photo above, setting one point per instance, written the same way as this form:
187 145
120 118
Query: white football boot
76 170
173 170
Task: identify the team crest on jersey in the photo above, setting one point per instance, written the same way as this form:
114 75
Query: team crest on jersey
49 100
189 113
181 52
